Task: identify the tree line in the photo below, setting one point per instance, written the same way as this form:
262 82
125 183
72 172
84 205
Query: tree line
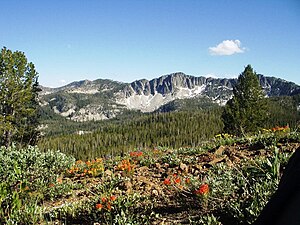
172 129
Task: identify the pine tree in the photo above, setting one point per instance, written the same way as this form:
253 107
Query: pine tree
18 99
247 110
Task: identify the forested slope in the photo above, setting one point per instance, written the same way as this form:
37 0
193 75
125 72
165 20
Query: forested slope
187 127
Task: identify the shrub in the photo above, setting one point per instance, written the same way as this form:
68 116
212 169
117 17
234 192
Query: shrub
241 191
26 177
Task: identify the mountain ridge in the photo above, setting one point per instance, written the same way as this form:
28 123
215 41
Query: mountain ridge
105 99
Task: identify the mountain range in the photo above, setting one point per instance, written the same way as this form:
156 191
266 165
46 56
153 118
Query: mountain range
104 99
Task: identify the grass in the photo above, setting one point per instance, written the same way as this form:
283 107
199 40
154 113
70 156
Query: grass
226 181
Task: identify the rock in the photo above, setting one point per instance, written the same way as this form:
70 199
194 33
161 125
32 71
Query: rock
143 168
142 179
220 150
155 192
184 167
217 160
204 158
108 173
166 165
128 187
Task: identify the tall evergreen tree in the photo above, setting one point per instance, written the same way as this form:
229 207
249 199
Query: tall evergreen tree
18 98
247 109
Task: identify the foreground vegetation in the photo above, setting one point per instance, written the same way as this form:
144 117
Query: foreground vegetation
147 186
223 181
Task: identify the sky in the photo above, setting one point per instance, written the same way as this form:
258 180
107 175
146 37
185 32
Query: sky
127 40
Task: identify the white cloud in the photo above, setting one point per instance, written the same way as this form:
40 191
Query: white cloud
62 81
227 47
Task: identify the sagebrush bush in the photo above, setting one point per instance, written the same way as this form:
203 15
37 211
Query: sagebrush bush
25 178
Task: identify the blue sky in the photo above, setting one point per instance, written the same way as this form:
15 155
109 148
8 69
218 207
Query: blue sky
126 40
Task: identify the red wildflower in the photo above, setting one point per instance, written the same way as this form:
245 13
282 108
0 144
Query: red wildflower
103 199
203 190
167 181
136 154
113 198
99 206
177 180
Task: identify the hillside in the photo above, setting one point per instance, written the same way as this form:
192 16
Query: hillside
106 99
225 181
182 122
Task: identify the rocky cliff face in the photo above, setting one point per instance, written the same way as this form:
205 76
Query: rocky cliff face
147 95
278 87
104 99
169 84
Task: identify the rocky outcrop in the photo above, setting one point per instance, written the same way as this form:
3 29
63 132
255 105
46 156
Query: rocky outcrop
148 96
278 87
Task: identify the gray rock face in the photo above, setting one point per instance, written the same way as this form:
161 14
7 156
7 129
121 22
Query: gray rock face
95 99
278 87
148 96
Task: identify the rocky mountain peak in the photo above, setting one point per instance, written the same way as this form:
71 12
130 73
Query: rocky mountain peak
102 99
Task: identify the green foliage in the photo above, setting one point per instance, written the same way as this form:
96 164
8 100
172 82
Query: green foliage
57 125
239 192
246 111
174 129
283 111
192 104
127 209
43 187
206 220
18 99
28 176
105 203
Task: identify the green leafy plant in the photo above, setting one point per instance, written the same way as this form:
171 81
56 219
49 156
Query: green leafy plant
26 176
